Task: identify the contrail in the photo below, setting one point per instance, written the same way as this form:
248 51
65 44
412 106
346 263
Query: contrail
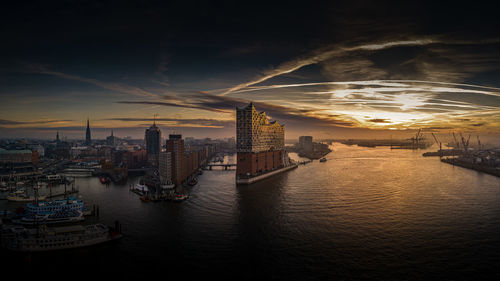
387 83
320 56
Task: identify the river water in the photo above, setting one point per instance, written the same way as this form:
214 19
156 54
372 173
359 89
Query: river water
366 213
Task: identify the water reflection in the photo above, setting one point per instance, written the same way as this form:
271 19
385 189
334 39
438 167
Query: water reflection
366 212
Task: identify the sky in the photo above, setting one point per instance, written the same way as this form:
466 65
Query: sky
331 69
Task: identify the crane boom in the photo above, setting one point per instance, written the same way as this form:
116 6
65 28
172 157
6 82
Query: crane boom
456 141
437 142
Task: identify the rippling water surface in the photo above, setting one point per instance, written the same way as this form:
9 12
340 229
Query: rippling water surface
368 213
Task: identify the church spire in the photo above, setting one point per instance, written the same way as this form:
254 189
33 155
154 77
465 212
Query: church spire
88 140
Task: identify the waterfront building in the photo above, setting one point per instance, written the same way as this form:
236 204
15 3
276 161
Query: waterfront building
153 144
18 156
88 140
18 162
165 167
175 145
135 159
260 143
306 143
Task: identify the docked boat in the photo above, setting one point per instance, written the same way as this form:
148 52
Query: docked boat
322 159
54 178
193 182
69 216
104 180
180 197
24 198
20 191
140 189
43 238
167 186
49 207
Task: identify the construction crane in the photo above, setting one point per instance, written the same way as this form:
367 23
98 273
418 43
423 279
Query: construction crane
440 146
415 141
465 143
456 141
418 138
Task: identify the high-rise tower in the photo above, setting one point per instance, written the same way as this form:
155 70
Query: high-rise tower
175 145
88 140
153 144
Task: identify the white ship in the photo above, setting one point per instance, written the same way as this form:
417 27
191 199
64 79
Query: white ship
19 238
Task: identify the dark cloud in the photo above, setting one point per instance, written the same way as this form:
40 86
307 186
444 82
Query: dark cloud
378 120
4 122
284 114
183 121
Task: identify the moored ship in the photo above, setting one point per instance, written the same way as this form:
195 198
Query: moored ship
49 207
19 238
24 198
61 217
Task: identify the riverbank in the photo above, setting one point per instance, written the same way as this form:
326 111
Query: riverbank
469 165
265 176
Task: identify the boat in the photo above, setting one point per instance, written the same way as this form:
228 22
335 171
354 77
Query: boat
167 186
180 197
140 189
24 198
49 207
104 180
43 238
20 191
322 159
193 182
68 216
54 178
4 213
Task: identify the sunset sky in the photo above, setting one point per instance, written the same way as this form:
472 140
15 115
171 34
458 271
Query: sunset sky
358 69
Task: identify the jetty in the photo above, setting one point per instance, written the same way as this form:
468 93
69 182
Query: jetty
464 163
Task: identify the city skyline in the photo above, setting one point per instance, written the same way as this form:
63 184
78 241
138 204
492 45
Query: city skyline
359 70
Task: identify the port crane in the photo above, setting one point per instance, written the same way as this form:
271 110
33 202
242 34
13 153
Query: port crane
465 143
415 141
440 146
456 141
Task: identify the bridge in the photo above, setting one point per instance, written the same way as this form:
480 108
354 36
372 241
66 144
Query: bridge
225 165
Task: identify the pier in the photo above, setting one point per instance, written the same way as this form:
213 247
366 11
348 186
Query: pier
470 165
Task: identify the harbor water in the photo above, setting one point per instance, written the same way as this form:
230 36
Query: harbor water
365 213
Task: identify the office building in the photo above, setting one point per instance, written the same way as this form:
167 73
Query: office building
175 145
153 144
